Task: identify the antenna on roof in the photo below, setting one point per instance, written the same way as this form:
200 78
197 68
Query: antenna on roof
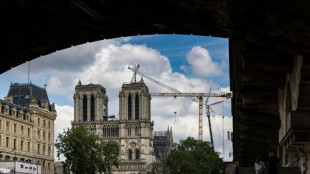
28 71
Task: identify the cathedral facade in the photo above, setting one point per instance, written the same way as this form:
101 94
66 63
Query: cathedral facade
132 131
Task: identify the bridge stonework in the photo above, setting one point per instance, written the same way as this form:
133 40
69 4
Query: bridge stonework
269 45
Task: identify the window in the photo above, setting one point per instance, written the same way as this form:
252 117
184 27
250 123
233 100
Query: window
14 147
43 135
0 140
130 154
137 107
129 131
49 137
92 108
49 125
28 146
7 126
26 96
28 132
21 96
30 168
49 150
22 130
38 121
15 96
7 142
43 123
21 145
49 165
43 149
22 166
84 108
14 128
137 154
38 149
129 107
38 134
0 124
137 131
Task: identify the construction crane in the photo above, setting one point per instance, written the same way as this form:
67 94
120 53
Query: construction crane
208 111
197 97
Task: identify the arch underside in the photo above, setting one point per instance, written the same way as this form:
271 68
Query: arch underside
62 24
263 37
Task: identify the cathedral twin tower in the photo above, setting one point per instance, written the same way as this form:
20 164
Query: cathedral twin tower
132 131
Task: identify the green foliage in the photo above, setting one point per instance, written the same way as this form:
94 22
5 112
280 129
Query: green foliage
194 156
154 168
85 152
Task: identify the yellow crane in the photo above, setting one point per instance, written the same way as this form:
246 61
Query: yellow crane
197 97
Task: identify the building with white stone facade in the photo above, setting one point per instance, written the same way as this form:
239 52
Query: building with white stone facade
132 131
27 128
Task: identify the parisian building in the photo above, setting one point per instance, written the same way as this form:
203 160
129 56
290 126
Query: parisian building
27 126
132 131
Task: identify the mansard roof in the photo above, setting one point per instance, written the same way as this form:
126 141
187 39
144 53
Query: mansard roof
22 93
12 105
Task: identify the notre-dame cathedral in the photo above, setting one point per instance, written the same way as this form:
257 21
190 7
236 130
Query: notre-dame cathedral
132 131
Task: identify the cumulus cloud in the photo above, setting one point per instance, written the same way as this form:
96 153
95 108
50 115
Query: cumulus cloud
200 63
107 65
185 126
63 121
72 59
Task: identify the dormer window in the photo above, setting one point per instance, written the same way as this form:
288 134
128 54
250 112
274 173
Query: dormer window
21 114
6 111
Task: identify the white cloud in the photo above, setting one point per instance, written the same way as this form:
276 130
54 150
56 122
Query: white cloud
62 122
185 126
108 66
201 63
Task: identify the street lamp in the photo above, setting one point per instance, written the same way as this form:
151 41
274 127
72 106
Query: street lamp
14 160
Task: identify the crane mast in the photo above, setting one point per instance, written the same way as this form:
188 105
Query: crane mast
197 97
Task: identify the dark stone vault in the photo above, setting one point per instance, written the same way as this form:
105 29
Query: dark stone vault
264 36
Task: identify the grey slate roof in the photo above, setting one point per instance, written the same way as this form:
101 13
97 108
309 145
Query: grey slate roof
20 91
12 105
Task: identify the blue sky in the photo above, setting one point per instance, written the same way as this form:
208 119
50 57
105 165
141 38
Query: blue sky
186 62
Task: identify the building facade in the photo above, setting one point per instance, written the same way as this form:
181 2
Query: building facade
132 131
27 126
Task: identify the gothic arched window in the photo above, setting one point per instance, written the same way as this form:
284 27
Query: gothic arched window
137 154
137 107
129 108
130 154
84 108
104 133
92 108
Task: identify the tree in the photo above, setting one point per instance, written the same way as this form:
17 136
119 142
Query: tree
86 152
154 168
194 156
